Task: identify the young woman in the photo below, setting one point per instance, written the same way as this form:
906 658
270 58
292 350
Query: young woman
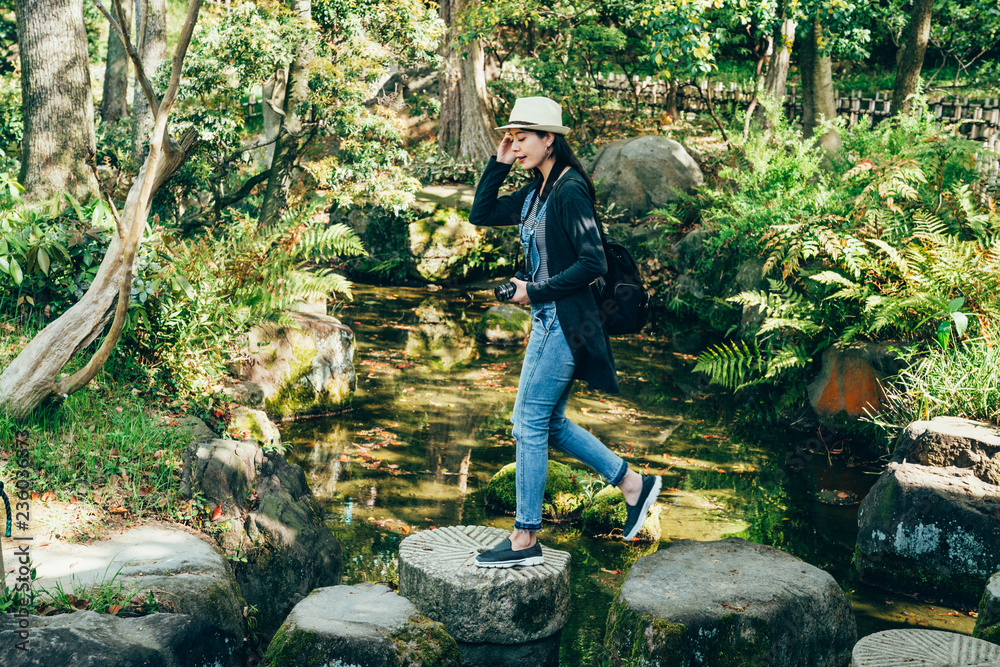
564 254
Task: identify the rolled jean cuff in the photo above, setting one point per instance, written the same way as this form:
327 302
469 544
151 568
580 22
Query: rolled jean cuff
534 527
620 476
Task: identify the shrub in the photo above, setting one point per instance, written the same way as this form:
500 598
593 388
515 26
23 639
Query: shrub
894 246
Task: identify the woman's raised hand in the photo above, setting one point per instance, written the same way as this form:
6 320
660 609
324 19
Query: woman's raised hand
505 152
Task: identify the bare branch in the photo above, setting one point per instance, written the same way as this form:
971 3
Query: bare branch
140 72
182 46
250 147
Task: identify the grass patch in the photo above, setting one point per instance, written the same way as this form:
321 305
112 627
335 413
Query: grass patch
107 444
961 380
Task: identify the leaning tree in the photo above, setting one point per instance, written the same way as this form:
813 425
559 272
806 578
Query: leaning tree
35 376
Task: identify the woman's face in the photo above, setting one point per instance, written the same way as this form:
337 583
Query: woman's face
529 148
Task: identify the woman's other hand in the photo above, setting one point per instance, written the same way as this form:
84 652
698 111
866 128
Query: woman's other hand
505 152
521 293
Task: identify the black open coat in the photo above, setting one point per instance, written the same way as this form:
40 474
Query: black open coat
575 256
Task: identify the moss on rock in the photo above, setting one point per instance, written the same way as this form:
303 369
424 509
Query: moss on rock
423 642
634 639
737 640
440 244
607 514
902 574
505 324
562 489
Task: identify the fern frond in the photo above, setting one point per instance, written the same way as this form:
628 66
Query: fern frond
786 358
732 364
901 264
833 278
807 327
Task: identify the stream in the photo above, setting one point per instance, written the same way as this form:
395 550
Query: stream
429 426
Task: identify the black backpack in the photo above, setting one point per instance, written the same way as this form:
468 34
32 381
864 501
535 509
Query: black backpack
621 297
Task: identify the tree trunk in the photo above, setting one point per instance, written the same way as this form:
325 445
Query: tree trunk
910 58
286 148
466 128
151 41
58 106
670 103
33 377
273 109
818 102
776 78
114 101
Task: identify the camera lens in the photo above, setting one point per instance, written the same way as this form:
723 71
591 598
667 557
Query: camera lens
504 292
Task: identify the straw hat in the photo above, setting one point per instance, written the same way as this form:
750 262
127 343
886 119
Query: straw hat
535 113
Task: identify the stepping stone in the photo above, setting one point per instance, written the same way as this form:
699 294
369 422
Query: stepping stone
476 605
102 640
930 648
184 571
701 603
364 624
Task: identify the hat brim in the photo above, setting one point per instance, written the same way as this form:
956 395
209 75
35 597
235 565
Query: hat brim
555 129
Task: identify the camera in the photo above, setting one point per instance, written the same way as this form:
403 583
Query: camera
504 292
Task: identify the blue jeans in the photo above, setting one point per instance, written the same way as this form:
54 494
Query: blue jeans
540 421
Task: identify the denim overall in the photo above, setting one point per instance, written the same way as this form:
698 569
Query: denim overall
544 386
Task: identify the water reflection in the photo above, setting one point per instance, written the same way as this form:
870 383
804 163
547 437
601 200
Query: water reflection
430 426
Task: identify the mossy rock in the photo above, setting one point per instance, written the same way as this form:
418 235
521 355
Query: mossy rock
563 490
988 618
504 325
364 624
729 603
440 244
905 575
247 424
637 639
606 515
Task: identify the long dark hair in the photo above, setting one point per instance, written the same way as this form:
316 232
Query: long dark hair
564 157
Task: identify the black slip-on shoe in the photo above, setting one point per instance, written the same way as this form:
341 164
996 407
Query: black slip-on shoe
502 555
637 513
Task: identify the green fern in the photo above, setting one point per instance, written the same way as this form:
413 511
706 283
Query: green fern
732 364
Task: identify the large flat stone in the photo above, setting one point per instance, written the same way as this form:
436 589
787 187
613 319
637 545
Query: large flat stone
930 531
951 441
702 603
89 639
364 624
516 605
186 574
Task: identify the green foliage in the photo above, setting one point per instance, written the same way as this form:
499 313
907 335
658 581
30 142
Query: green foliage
205 294
49 252
891 244
564 46
354 149
961 380
11 122
105 445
